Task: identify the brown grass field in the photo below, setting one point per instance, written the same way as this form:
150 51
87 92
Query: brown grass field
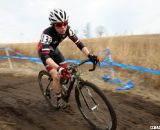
140 50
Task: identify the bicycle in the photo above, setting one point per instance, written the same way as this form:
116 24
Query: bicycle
91 101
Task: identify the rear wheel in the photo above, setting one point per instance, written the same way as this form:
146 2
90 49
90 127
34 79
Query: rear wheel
95 107
45 83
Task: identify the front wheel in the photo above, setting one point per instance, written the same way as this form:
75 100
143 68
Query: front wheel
95 107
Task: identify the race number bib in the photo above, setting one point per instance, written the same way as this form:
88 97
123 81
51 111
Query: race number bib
46 39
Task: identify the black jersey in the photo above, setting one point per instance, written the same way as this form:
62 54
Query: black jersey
50 39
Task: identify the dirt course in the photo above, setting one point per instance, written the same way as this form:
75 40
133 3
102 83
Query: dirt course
22 107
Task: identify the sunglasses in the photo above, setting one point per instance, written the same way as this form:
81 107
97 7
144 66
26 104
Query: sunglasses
59 25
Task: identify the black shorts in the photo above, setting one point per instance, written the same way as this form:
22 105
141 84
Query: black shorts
56 55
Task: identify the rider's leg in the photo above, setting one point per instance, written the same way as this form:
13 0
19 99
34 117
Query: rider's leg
58 58
57 89
56 81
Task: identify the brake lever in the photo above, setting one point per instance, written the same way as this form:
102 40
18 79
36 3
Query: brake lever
94 67
94 64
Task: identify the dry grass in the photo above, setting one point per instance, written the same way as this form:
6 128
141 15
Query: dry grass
27 49
138 50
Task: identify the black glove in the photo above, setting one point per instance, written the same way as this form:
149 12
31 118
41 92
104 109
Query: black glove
93 58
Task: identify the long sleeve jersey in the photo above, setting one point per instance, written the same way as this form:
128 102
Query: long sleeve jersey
50 39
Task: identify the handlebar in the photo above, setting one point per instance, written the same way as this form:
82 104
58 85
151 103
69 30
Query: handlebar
87 60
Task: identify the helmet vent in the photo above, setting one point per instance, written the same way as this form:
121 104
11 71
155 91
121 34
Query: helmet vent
61 14
64 15
58 17
56 11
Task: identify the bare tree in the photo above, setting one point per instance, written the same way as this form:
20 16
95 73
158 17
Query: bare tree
100 30
87 30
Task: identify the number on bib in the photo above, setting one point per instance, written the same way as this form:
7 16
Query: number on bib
46 39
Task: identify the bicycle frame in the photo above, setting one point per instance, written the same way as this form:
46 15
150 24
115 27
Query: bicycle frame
76 79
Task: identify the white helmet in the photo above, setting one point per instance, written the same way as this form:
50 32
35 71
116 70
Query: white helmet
57 15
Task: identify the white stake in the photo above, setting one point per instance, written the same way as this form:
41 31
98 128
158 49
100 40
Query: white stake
9 59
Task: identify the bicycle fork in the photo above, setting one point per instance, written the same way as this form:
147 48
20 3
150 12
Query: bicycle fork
47 91
91 108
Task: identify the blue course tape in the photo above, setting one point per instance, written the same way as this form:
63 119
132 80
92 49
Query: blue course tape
76 61
126 86
137 68
38 60
33 59
102 64
146 70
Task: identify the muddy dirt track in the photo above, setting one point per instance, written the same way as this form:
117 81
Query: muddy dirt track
22 107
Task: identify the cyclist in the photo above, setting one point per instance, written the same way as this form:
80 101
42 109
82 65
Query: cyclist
49 53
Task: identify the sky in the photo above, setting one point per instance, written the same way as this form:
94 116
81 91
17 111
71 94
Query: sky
25 20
